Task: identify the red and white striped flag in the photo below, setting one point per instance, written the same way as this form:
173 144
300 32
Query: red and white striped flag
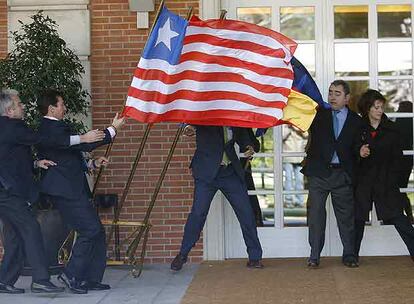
215 72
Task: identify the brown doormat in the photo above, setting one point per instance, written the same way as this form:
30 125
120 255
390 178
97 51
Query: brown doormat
379 280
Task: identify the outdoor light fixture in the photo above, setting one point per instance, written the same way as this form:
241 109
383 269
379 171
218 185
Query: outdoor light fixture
142 7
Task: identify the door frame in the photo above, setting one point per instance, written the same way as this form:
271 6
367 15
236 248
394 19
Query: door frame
221 223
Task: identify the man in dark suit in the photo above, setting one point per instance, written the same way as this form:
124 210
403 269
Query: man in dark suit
22 237
405 127
329 166
215 166
67 186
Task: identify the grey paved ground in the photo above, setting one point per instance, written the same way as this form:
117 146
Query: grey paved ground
157 285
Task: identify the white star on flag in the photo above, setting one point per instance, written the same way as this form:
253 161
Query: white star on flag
165 34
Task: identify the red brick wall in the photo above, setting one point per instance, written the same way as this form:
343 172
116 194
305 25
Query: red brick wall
116 47
3 28
3 47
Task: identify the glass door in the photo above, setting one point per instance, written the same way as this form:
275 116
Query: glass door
368 43
280 187
372 47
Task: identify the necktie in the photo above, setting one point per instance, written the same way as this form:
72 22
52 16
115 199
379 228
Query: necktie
335 159
336 123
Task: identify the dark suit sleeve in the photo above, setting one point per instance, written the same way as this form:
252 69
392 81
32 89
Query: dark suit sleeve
23 135
242 138
255 141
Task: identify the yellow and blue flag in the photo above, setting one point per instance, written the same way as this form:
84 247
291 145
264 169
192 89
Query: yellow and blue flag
303 99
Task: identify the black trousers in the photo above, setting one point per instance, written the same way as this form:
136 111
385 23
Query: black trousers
88 258
22 237
401 223
338 184
229 183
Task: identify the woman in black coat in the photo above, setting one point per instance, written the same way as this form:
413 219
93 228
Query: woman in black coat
378 172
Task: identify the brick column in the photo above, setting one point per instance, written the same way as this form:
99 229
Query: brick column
3 49
116 48
3 28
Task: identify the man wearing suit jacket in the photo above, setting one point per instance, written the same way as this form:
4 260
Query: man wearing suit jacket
329 167
67 186
22 237
215 166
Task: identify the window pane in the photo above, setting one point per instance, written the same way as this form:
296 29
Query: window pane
358 88
294 140
256 15
294 200
267 205
394 21
293 179
298 22
266 141
351 21
351 59
295 215
396 91
305 53
263 180
391 64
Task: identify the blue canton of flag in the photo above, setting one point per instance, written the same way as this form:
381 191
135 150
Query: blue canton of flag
166 39
304 83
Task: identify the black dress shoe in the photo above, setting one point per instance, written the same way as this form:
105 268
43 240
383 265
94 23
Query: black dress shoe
72 284
313 263
178 262
254 264
45 287
4 288
95 286
351 263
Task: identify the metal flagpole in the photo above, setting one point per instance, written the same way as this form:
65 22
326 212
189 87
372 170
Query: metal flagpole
109 148
64 251
137 157
162 176
144 230
145 226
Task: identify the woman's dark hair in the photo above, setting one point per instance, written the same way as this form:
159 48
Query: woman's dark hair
47 98
367 100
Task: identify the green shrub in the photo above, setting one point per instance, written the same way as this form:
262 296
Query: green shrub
42 60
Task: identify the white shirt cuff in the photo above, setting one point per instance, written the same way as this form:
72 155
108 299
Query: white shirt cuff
111 131
74 140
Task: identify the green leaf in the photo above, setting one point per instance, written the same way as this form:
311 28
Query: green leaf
41 60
